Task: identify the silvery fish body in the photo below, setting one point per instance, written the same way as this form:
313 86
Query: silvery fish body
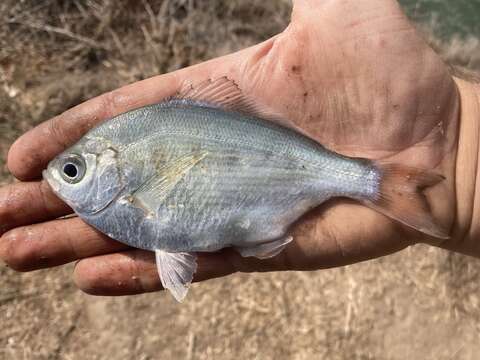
253 178
184 176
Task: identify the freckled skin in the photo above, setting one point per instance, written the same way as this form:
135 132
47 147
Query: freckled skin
255 179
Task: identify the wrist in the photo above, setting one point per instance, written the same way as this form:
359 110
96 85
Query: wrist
467 184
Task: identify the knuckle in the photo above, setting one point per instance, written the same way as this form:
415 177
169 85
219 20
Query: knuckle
112 102
43 198
57 134
329 232
109 101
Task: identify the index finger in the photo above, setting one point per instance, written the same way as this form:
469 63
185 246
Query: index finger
30 154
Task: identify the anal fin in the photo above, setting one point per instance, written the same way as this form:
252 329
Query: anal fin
176 271
265 250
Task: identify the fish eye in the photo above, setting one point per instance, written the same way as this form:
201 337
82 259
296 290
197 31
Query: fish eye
70 170
73 169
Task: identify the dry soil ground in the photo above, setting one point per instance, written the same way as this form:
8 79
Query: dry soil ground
422 303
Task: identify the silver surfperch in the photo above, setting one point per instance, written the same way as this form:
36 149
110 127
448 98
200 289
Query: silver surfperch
209 169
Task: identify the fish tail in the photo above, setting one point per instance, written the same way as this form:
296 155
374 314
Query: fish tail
400 197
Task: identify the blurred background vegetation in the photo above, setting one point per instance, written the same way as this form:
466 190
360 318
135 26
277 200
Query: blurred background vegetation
421 304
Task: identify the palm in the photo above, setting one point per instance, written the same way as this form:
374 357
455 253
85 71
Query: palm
352 74
377 91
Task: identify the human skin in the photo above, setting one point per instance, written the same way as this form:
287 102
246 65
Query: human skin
354 74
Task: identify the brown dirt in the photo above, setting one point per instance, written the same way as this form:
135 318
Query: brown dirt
422 303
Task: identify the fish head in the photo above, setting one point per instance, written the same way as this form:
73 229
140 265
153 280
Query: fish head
86 176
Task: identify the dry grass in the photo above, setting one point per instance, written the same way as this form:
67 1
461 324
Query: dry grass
421 304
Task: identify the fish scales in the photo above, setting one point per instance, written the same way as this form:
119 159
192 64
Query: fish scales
216 191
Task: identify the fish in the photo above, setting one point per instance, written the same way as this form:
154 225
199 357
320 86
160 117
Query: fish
210 168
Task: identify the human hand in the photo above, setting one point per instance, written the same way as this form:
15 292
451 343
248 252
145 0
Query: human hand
353 74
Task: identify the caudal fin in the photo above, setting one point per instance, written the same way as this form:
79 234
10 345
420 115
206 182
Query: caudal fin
401 197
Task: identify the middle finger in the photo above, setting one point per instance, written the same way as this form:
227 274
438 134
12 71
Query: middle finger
54 243
28 203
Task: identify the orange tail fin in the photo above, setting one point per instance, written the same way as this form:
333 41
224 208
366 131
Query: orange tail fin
401 197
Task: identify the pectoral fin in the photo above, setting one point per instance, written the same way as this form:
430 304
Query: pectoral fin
176 271
265 250
154 191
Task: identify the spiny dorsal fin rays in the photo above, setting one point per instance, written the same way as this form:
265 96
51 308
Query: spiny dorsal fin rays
224 93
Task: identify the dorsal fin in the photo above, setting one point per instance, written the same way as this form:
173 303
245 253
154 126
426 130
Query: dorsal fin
224 93
220 93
